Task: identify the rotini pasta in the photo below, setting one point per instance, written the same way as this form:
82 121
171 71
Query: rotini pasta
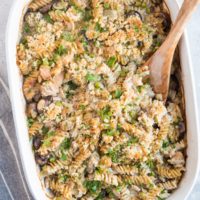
169 173
152 194
52 168
126 169
170 185
97 128
66 189
137 180
35 128
36 4
107 178
59 16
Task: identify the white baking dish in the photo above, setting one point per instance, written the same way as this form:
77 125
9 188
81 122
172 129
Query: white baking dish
18 106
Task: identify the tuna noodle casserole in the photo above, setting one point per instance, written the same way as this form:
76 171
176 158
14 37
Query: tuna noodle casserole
98 131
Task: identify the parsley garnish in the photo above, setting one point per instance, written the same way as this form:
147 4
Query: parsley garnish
24 41
82 107
165 144
27 28
99 28
92 77
93 186
48 18
111 132
65 144
87 15
111 61
114 155
133 140
68 37
117 94
30 121
45 130
63 157
47 142
105 113
51 133
106 5
150 164
61 50
63 178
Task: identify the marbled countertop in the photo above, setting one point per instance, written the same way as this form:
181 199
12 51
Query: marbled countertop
12 183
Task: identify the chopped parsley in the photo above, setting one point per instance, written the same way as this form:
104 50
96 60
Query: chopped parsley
151 174
48 18
101 196
61 50
159 198
165 144
177 121
134 115
105 113
136 28
47 142
63 157
93 186
45 130
51 133
68 37
76 8
133 140
87 15
123 73
52 159
114 155
140 88
106 5
98 28
117 94
63 178
45 61
30 121
56 56
58 103
111 132
24 41
150 164
82 107
119 128
27 28
111 61
92 77
65 145
85 43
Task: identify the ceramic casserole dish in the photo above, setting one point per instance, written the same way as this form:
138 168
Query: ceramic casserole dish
18 107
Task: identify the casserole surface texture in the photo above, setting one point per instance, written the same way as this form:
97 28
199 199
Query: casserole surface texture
97 129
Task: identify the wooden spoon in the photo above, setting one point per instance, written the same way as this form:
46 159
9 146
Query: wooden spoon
160 63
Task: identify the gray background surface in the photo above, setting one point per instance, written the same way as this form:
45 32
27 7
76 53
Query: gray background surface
12 184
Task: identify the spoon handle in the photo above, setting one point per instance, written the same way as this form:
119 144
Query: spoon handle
160 63
176 32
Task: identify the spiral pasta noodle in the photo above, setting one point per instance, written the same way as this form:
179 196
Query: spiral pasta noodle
125 169
36 4
168 172
137 180
35 128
